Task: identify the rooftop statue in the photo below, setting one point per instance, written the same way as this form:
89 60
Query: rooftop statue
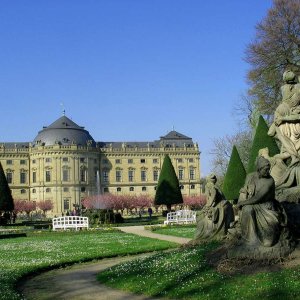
261 232
214 219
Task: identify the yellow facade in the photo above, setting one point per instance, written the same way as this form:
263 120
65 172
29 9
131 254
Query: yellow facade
67 172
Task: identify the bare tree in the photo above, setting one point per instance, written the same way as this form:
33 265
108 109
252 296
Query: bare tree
223 148
276 47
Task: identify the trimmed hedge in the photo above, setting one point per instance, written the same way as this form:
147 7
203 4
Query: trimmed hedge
235 176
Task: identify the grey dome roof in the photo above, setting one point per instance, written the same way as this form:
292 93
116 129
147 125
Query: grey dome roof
65 132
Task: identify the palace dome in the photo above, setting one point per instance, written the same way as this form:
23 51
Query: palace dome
64 132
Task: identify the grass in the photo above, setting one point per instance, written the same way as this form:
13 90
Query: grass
184 274
186 231
44 250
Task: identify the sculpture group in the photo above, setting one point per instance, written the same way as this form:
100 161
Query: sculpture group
263 223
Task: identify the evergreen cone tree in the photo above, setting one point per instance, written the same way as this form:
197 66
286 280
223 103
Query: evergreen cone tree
168 191
261 140
6 200
235 176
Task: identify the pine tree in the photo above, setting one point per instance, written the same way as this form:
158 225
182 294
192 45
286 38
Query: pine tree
235 176
261 140
6 200
168 191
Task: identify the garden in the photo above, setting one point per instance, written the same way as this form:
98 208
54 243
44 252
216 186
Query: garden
42 250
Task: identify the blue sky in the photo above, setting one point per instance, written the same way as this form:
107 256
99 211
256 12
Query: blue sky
127 70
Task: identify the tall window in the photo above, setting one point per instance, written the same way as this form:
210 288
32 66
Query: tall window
180 174
105 176
155 175
118 175
192 174
130 175
65 175
34 177
82 175
9 176
143 175
66 204
48 175
22 177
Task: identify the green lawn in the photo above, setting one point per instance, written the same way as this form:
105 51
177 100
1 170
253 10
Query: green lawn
184 274
21 256
187 231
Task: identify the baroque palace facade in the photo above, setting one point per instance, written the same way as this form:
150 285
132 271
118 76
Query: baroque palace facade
65 165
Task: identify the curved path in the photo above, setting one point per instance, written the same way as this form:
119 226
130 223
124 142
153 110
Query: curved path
79 281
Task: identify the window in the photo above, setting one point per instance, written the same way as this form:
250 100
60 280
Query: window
82 189
144 188
181 187
66 204
155 160
23 191
106 190
34 177
48 190
192 174
105 176
33 191
66 189
65 159
192 186
143 161
118 161
179 160
48 176
155 188
83 175
22 177
118 175
130 161
180 174
65 175
9 162
119 189
155 175
143 175
33 161
9 177
105 161
131 189
191 160
22 162
48 159
130 175
82 159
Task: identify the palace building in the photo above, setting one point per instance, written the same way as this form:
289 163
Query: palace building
65 164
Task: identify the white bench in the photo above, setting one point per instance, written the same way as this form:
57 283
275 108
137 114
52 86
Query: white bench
70 222
181 217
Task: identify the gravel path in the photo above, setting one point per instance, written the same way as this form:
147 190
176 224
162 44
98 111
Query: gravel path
79 281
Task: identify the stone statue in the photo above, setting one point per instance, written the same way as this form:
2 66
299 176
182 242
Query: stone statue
261 232
214 219
286 129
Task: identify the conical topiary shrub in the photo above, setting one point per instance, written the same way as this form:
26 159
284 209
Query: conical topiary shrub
6 200
235 176
168 191
261 140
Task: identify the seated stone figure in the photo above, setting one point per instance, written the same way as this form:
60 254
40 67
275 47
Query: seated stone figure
261 230
214 219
